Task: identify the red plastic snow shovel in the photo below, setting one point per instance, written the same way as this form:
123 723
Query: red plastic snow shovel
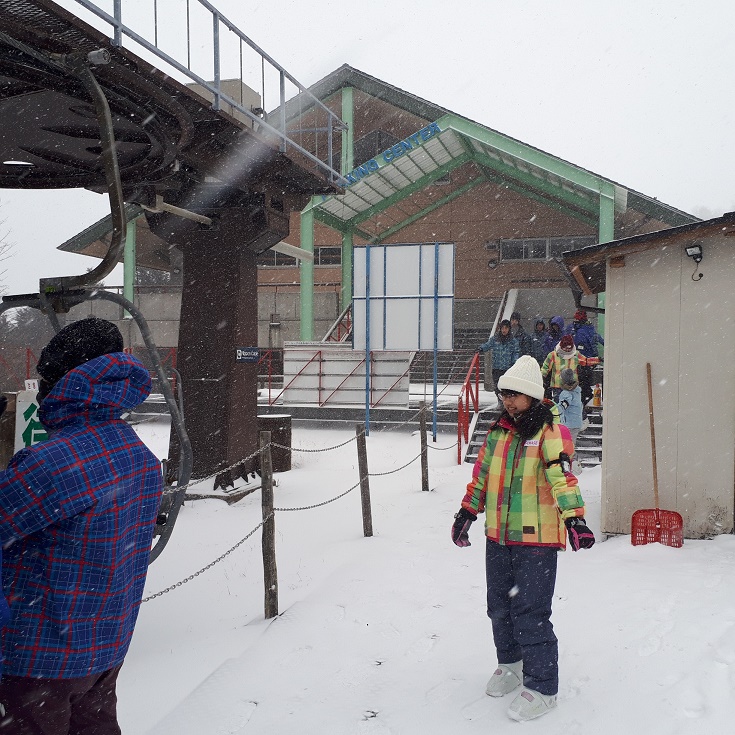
653 524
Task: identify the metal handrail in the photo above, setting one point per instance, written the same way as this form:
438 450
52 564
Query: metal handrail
215 87
467 395
344 317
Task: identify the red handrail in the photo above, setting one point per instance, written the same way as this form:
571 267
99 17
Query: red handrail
470 392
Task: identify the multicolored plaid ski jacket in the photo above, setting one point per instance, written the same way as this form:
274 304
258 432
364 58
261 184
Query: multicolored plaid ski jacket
77 514
555 363
525 498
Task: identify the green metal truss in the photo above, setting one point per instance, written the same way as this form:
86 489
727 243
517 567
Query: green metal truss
554 187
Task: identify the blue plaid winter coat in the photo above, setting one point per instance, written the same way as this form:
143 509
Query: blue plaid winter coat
505 351
77 514
4 612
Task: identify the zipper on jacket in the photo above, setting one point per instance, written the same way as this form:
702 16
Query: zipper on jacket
514 465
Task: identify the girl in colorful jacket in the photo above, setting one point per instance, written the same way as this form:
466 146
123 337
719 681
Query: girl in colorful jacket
523 483
564 356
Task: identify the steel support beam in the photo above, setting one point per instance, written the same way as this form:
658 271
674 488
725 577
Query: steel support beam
129 258
306 279
348 163
427 210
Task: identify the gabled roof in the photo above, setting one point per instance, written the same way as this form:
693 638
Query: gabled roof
587 266
499 157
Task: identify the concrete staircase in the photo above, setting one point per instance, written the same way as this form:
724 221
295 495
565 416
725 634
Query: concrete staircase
477 439
589 442
452 366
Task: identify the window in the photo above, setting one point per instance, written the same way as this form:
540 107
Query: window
328 256
523 249
542 248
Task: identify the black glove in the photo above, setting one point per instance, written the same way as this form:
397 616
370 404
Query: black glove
580 536
3 404
461 526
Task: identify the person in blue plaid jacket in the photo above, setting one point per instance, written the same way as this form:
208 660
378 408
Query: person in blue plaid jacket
77 515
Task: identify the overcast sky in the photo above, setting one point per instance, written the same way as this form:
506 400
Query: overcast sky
638 91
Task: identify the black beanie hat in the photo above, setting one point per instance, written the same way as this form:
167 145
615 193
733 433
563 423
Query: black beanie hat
75 344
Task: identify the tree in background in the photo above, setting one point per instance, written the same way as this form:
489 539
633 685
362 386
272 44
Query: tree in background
6 250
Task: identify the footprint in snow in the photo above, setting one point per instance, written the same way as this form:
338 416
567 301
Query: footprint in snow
422 646
443 690
478 708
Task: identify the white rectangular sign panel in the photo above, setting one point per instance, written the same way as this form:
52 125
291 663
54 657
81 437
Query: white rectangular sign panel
410 292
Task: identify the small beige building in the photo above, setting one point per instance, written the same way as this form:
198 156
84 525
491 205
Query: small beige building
666 307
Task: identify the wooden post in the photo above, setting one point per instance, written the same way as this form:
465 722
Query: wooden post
424 449
270 573
362 466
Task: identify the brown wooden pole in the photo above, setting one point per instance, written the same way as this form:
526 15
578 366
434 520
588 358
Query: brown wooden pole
362 465
424 449
270 573
653 433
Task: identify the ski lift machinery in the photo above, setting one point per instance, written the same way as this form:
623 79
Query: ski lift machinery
59 295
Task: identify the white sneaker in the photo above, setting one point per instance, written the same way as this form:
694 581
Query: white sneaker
530 704
505 679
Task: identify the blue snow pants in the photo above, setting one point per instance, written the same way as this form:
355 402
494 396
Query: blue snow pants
520 588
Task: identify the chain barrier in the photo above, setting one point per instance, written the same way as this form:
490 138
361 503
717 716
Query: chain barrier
209 566
220 471
325 449
443 449
280 510
398 469
326 502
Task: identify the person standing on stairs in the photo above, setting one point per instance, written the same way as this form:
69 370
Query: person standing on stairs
505 351
538 342
517 330
586 339
523 483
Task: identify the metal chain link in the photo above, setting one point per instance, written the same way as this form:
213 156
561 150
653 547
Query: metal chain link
443 449
326 502
220 471
209 566
398 469
325 449
270 515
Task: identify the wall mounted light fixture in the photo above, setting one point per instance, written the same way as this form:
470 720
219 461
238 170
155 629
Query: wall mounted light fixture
694 251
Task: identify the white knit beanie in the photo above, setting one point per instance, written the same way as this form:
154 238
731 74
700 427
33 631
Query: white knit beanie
523 377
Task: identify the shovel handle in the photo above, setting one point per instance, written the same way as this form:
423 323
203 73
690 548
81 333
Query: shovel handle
653 434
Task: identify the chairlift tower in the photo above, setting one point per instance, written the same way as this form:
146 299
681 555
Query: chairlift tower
216 180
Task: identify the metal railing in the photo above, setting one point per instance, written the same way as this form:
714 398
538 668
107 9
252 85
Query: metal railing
470 394
272 74
341 329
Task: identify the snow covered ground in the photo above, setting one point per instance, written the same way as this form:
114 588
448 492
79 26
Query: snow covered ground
389 634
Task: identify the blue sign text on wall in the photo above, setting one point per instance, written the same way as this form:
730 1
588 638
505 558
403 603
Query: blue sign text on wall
246 354
415 140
